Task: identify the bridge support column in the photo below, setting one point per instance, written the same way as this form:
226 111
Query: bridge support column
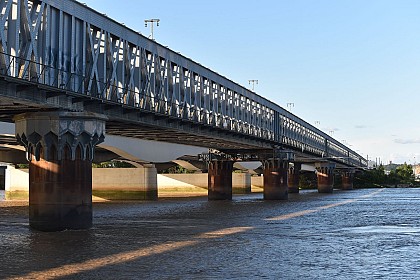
275 179
220 180
325 175
150 187
293 179
347 179
60 149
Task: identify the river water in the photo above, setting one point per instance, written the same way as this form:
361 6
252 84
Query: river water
359 234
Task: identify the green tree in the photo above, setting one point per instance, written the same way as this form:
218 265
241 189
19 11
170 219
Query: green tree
371 178
405 173
113 164
402 174
177 169
393 178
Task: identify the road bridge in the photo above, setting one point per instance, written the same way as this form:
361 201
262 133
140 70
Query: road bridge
69 75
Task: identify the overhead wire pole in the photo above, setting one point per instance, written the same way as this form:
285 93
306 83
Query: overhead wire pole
152 22
253 82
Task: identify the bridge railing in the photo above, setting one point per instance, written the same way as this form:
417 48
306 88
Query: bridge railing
38 73
68 46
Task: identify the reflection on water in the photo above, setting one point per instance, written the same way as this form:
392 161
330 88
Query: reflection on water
394 229
357 234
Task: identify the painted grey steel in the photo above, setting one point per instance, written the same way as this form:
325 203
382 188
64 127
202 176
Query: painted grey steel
66 45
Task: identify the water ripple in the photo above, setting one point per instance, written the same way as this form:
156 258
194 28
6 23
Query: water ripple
362 234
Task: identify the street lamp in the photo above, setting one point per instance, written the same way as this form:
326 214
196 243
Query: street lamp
253 82
152 22
290 106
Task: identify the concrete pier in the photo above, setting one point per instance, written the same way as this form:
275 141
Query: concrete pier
275 179
220 180
60 148
325 175
347 179
60 193
293 179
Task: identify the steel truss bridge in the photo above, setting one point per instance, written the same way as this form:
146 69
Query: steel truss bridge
63 55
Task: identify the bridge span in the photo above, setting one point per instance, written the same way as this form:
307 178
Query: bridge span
69 75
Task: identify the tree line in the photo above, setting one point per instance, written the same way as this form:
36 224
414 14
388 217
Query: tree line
401 176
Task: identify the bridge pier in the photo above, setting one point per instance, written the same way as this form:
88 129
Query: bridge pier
150 187
275 179
220 180
325 176
293 179
60 149
347 179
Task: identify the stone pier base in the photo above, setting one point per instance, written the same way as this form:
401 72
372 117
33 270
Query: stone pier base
60 148
220 180
347 180
60 194
293 179
275 180
325 175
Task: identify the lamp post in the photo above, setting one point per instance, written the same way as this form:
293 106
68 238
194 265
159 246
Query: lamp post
290 106
253 82
152 22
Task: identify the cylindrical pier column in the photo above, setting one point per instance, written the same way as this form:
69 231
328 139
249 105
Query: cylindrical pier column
293 179
347 180
220 180
275 179
325 175
60 148
150 187
60 193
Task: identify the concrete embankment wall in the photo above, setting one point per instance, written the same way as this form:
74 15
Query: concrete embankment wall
16 183
136 183
257 183
197 183
125 183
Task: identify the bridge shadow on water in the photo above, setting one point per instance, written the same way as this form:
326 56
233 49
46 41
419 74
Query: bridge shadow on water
192 238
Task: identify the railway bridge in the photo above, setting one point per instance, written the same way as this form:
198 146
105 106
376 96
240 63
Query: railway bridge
70 75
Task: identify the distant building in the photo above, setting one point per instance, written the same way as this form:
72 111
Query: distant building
372 164
416 171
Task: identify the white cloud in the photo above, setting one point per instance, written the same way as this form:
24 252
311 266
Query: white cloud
407 141
360 126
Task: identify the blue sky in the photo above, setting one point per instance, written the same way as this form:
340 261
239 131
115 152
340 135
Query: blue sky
351 65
